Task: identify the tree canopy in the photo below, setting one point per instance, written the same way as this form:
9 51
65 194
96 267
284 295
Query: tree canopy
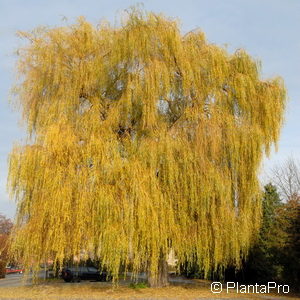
5 229
140 140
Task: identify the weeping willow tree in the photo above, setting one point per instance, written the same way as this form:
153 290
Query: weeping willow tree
140 140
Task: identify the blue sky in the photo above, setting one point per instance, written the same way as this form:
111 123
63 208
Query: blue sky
267 29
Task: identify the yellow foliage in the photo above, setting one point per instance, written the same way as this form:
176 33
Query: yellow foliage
141 139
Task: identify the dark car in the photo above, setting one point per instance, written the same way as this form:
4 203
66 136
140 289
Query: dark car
72 274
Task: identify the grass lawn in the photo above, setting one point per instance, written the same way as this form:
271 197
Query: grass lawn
58 290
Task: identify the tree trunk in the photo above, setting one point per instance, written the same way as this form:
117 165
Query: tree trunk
160 279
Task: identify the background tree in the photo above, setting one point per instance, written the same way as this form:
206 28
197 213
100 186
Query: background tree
286 177
141 140
290 258
275 255
264 262
5 228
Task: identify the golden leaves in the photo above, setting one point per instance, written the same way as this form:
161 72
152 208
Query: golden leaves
143 140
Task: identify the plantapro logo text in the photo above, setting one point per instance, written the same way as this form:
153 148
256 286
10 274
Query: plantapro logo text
271 287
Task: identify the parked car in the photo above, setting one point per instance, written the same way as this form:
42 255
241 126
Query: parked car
11 270
72 274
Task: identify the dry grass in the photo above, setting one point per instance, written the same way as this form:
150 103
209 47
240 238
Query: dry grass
90 290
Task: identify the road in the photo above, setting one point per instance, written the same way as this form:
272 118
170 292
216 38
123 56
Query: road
14 280
18 279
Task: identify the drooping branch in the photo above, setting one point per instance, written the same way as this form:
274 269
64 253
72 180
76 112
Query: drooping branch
156 135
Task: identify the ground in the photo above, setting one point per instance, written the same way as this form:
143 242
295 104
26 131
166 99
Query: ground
13 288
